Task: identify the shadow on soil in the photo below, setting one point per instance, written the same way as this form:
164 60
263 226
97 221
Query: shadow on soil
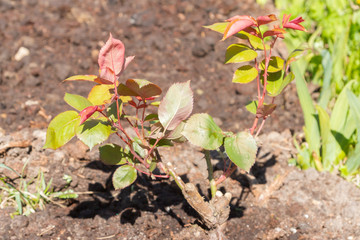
147 195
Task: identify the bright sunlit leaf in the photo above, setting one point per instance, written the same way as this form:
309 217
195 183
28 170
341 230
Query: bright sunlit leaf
100 94
237 53
76 101
62 129
245 74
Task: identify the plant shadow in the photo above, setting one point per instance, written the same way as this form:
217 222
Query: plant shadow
145 195
158 196
257 175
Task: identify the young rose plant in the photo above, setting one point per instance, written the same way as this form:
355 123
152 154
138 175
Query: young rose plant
129 110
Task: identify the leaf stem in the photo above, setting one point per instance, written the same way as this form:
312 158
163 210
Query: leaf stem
226 174
261 126
213 188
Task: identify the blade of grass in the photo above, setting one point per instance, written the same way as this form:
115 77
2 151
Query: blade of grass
9 168
311 123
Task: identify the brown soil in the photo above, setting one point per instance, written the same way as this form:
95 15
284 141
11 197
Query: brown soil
63 39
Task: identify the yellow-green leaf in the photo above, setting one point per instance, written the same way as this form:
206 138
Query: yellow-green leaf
100 94
90 78
237 53
245 74
218 27
76 101
276 64
62 129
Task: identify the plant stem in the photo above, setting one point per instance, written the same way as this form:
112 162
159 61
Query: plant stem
170 170
213 188
257 79
226 174
252 129
261 126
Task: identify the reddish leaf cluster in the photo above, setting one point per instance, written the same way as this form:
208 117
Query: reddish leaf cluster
112 61
249 24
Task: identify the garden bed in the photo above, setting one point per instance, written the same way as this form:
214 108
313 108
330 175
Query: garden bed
63 38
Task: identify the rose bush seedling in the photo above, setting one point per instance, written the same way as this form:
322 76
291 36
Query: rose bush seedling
130 110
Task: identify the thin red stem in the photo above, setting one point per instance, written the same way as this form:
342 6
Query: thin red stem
257 79
252 129
149 174
261 126
225 175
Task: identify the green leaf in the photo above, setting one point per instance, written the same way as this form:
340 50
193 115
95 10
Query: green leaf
245 74
176 106
151 117
341 120
202 131
176 133
330 148
112 110
68 194
237 53
124 176
76 101
161 143
294 55
252 106
112 154
254 41
218 27
61 129
9 168
90 78
325 93
100 94
312 135
353 162
274 81
139 148
241 149
139 87
276 64
18 202
93 131
288 79
354 103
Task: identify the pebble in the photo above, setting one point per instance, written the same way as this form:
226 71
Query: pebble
82 16
21 53
62 70
145 18
10 77
39 134
28 41
19 222
32 81
203 47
